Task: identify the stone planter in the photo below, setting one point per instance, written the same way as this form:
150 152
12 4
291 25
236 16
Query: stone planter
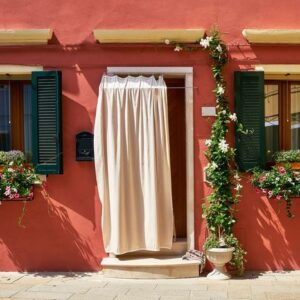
219 257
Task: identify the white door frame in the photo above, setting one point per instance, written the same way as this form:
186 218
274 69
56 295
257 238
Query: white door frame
187 74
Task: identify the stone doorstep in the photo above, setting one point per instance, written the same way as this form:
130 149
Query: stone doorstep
179 248
152 268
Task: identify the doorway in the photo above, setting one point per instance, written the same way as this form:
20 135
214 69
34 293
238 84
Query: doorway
177 130
183 172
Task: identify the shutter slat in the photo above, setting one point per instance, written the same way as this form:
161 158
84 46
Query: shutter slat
47 140
249 107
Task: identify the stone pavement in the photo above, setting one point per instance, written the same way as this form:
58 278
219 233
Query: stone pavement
73 286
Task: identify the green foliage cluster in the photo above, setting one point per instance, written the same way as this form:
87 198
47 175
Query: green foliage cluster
287 156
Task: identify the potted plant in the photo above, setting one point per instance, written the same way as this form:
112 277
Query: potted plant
16 177
280 183
221 246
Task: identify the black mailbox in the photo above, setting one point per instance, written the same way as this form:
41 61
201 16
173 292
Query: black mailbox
84 146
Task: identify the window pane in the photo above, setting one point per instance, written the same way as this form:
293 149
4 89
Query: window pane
271 119
27 121
4 118
295 116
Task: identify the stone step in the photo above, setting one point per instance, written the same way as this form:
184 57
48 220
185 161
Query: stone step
149 267
179 248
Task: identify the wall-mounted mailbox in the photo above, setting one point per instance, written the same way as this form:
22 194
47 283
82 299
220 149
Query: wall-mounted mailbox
84 146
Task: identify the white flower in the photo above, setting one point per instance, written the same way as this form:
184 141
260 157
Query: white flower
238 187
224 112
213 165
205 42
11 163
219 48
208 143
220 90
167 42
289 179
223 146
209 38
10 170
233 117
237 177
178 48
277 178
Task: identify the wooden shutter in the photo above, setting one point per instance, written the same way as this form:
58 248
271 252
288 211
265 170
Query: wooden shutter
46 122
249 107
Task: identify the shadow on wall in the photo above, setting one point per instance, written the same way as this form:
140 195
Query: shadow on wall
268 235
49 242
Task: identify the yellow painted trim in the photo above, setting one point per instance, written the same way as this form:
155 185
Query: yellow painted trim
25 36
147 35
17 72
272 36
280 71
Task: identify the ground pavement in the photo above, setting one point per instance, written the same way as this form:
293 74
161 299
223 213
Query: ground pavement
73 286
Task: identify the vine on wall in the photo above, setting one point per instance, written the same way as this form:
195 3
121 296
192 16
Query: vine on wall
221 169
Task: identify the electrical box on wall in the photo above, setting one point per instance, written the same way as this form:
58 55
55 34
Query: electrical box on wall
208 111
84 146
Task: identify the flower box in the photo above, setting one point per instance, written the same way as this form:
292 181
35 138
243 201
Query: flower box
294 165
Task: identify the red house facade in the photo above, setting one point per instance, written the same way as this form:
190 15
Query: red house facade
86 40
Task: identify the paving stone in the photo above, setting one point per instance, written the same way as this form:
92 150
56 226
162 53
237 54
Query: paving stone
138 297
90 297
7 277
192 287
8 293
42 295
209 294
241 292
64 288
107 291
282 296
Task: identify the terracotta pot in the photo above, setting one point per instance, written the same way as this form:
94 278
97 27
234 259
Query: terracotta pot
219 257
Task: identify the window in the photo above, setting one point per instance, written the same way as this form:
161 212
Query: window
15 116
30 119
282 116
271 109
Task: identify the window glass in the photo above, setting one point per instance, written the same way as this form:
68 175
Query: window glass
295 116
271 119
5 136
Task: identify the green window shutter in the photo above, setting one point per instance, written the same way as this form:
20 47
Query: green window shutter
249 107
46 122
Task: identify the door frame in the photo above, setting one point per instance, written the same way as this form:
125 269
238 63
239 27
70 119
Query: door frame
187 74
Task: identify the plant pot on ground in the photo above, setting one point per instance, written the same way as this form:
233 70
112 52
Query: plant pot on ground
219 257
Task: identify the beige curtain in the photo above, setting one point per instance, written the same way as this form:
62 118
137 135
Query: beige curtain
132 163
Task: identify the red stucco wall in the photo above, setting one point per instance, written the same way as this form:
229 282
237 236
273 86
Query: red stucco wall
64 232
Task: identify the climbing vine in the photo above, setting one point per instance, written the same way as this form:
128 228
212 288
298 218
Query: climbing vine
221 170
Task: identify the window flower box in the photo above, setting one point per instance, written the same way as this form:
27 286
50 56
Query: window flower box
16 177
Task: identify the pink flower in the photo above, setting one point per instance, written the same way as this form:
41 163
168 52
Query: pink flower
7 191
262 179
30 195
282 170
270 193
265 191
16 196
278 197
